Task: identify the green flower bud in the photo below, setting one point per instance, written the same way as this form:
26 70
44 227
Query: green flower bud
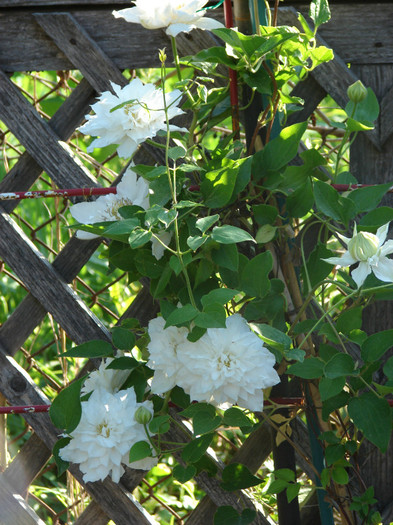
162 55
363 246
143 415
357 92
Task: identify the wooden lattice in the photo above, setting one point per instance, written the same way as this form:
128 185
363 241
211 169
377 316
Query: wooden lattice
45 35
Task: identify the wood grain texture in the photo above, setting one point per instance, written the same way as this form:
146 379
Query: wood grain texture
14 509
68 117
81 50
53 155
26 465
47 285
127 45
92 515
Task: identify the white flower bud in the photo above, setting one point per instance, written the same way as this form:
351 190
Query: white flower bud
363 246
143 415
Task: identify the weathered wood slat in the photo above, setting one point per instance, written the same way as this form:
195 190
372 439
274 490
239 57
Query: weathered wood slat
28 3
92 515
54 156
14 509
386 116
69 116
26 465
312 93
47 285
81 50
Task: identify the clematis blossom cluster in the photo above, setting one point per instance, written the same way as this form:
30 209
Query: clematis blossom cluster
225 367
108 428
131 115
370 252
177 16
130 191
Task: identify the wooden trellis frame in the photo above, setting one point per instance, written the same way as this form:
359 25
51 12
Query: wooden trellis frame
82 34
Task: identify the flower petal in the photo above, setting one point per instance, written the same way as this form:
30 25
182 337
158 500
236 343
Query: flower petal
383 270
387 248
360 273
345 260
382 233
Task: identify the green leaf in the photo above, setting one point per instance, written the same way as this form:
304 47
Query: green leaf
162 281
317 269
62 466
218 186
331 387
66 410
372 415
140 450
177 152
376 345
91 349
273 337
265 233
194 450
333 453
367 199
339 365
213 316
196 241
123 227
220 296
293 491
377 218
311 368
181 315
167 216
230 234
278 152
159 425
366 111
184 474
205 223
264 214
148 265
301 200
237 476
203 422
349 320
388 368
214 55
227 515
234 417
179 397
199 407
254 279
123 363
340 475
331 204
138 238
319 12
333 403
226 256
122 338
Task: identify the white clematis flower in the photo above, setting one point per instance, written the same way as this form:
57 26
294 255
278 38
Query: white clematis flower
130 191
227 366
163 354
105 378
106 432
140 118
177 16
370 252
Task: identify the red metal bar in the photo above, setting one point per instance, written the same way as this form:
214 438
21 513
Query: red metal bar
73 192
24 409
233 90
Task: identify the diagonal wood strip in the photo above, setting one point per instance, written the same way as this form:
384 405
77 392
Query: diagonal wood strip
386 116
333 76
69 116
14 509
81 50
46 284
53 155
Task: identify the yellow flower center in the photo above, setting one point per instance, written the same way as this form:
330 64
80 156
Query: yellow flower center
363 246
103 430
